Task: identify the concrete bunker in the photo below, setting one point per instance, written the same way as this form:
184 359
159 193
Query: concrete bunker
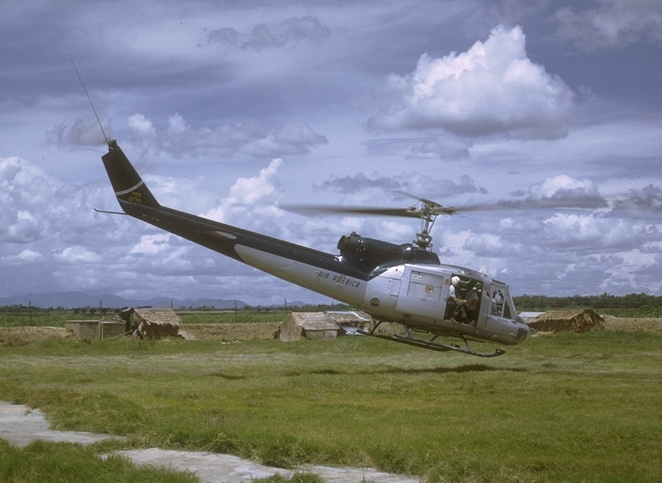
320 325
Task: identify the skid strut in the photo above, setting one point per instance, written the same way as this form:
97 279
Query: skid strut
406 338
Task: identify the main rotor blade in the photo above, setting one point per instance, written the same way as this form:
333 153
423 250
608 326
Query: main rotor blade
578 203
431 208
356 210
412 212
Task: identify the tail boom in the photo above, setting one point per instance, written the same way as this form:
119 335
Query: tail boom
301 265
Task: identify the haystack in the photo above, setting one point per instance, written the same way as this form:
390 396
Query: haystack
153 323
307 325
582 320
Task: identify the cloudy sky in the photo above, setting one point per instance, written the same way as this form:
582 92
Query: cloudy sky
550 111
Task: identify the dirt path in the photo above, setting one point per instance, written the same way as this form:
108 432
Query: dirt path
20 426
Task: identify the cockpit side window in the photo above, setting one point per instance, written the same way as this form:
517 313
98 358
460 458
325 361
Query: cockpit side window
497 302
500 304
506 311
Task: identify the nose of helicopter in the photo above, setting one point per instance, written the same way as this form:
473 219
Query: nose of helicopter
522 330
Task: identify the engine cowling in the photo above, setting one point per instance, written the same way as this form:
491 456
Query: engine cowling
369 254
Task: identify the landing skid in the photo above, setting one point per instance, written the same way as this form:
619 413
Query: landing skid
430 344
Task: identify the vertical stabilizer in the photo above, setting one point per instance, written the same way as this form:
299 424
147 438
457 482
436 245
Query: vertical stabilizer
127 183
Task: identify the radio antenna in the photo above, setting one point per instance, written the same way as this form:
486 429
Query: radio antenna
89 99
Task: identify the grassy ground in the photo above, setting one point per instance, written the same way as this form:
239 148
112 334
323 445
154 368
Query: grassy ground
43 462
565 407
43 319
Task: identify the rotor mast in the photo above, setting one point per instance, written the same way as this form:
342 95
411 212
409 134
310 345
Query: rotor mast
426 210
423 238
428 214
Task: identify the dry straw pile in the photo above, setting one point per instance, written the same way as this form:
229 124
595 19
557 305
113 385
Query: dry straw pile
582 320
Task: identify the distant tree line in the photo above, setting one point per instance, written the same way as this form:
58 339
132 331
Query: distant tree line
24 309
601 303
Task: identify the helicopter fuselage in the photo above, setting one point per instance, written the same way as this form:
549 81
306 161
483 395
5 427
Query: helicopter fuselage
393 283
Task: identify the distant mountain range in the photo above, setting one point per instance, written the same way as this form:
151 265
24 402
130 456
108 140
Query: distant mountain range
72 300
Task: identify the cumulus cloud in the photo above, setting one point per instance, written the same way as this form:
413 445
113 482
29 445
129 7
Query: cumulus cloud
249 137
288 32
29 256
443 146
491 88
645 203
634 269
80 128
563 190
572 229
567 251
257 195
176 124
24 189
414 183
614 23
248 191
607 229
272 63
358 182
559 191
289 138
635 211
77 254
151 244
141 125
47 226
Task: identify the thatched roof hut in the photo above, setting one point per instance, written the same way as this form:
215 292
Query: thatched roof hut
308 325
153 323
581 320
350 321
351 318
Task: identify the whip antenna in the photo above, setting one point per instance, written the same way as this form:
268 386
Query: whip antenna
89 99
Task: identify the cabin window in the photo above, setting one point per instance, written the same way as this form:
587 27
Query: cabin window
469 291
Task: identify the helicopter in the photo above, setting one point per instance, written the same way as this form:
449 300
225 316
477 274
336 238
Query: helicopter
404 284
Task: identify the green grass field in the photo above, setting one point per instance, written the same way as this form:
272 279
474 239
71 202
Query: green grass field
565 407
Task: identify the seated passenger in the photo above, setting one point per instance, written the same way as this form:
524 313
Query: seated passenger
455 305
471 307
